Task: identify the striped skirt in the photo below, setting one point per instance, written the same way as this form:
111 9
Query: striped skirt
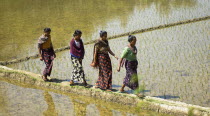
105 72
48 56
131 78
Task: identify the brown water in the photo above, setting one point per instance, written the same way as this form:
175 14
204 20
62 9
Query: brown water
26 100
173 63
22 21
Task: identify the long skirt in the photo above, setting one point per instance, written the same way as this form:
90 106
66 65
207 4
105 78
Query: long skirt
78 72
105 72
48 56
131 78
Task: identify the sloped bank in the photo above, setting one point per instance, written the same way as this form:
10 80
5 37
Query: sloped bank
148 103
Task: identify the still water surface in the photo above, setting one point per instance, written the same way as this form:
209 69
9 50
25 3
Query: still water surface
26 100
22 21
174 62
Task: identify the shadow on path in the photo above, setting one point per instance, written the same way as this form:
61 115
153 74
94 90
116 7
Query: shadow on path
57 80
167 97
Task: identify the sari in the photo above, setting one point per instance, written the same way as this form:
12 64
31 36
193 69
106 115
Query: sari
103 62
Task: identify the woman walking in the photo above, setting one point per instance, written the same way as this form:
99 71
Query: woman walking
102 60
46 52
129 58
77 53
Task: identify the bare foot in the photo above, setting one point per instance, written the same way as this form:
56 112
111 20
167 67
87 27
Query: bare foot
96 87
108 90
71 82
140 95
44 78
84 84
122 90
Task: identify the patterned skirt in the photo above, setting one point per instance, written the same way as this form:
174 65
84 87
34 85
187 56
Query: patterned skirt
131 78
105 72
78 72
48 56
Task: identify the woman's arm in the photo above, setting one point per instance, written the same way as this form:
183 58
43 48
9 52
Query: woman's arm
121 59
83 50
93 64
110 51
40 51
53 50
52 47
95 55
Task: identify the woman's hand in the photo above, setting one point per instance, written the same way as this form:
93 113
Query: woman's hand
118 70
116 57
41 58
80 60
93 64
110 51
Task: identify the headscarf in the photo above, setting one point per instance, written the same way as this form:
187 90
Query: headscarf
42 39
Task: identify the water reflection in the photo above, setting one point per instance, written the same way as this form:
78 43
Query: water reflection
22 23
3 102
51 111
165 7
92 110
79 107
53 103
21 102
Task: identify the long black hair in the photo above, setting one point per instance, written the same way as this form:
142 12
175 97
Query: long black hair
131 37
77 32
47 29
102 33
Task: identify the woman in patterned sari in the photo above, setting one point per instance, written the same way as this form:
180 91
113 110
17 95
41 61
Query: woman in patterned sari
46 52
102 60
129 58
77 53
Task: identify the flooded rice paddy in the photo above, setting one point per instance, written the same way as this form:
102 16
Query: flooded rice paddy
174 63
22 21
25 100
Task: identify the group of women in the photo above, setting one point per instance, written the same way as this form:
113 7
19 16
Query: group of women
101 60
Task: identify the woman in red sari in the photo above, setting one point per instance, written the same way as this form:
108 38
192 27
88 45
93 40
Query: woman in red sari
102 60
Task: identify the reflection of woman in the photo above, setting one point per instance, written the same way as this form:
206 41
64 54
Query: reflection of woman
102 60
51 106
79 108
46 52
131 63
104 111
